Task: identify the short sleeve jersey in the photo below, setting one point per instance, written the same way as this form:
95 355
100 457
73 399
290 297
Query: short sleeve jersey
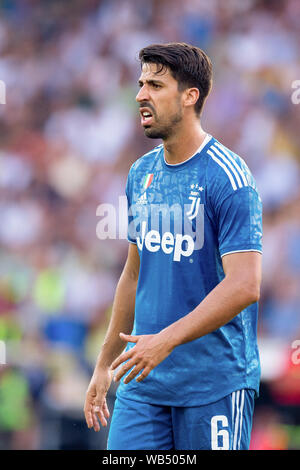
184 218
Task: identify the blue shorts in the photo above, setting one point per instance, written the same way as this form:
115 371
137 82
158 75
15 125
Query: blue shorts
223 425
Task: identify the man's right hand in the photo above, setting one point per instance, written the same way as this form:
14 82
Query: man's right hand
95 405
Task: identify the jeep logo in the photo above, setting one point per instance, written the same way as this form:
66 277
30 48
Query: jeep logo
180 245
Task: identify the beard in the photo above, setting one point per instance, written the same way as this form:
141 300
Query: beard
163 129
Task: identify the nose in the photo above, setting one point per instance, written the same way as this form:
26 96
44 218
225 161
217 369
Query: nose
142 95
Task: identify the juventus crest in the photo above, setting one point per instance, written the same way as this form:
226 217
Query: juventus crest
195 198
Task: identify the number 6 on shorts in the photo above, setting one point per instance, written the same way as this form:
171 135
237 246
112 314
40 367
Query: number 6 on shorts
219 435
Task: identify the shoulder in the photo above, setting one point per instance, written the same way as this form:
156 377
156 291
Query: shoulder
227 172
147 161
142 168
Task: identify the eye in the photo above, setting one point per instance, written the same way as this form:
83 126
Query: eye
156 85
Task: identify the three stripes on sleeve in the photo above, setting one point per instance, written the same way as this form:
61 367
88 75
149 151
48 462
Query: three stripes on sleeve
228 163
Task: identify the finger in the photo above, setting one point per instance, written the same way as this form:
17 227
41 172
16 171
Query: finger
99 413
129 338
124 357
126 367
88 417
88 405
96 425
144 374
135 371
106 410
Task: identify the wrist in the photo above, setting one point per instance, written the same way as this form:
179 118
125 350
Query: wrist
103 363
169 337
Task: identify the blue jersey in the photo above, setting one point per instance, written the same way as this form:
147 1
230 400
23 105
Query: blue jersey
184 218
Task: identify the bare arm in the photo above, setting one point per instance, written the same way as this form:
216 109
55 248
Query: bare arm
239 288
122 311
121 321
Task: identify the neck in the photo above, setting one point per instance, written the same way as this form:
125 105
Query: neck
184 142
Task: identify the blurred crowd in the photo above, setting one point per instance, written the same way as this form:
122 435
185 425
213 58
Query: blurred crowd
69 132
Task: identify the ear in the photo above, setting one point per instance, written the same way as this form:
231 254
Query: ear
190 96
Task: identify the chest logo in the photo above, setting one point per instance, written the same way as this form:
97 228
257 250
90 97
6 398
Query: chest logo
147 181
195 196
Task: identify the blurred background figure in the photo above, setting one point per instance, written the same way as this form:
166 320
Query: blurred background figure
69 132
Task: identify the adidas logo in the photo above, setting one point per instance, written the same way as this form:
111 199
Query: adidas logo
142 199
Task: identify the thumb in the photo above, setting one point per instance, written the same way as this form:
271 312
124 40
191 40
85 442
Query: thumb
129 338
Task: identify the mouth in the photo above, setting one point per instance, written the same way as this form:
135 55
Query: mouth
146 116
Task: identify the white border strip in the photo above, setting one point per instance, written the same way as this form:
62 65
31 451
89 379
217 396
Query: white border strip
241 417
241 251
205 141
236 421
232 415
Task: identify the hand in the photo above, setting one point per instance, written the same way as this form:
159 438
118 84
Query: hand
95 405
148 352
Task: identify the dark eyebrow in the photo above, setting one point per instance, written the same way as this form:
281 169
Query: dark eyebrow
150 82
